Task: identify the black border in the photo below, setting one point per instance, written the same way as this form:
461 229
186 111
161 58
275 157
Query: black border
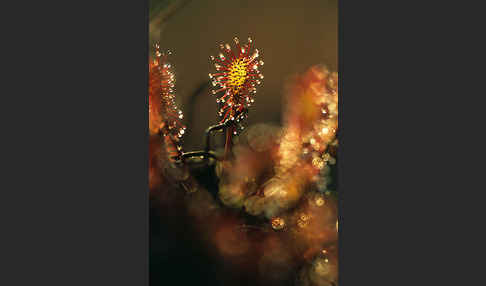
340 135
76 144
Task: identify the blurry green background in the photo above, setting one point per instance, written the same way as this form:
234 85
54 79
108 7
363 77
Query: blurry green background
290 35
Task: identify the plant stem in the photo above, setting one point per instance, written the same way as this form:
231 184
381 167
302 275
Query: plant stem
209 131
228 143
198 154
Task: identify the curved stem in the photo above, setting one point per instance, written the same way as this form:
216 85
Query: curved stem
209 131
230 124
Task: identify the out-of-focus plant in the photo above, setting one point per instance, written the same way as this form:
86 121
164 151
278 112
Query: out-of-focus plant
164 116
160 12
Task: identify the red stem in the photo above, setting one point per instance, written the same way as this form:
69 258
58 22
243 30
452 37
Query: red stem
227 145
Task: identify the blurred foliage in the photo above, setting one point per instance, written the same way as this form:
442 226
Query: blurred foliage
155 6
159 13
